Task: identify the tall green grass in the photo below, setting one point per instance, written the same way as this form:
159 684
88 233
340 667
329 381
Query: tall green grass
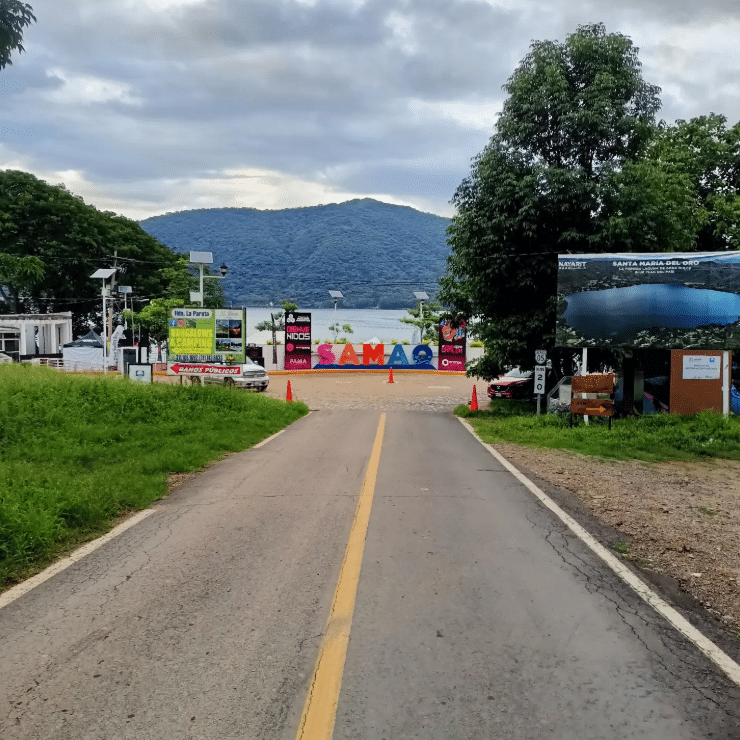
77 452
649 438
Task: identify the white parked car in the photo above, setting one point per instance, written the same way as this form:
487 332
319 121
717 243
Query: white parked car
252 377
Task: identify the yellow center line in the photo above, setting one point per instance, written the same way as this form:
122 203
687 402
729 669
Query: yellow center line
320 710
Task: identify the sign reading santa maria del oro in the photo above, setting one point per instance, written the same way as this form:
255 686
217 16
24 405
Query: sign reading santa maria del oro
661 301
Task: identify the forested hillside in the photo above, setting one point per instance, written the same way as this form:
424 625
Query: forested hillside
375 253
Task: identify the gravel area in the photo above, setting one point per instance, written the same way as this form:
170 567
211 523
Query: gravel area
421 391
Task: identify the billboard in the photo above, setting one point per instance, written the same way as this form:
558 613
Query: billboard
206 335
297 340
675 300
452 338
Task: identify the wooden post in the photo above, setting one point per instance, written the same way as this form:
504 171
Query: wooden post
584 371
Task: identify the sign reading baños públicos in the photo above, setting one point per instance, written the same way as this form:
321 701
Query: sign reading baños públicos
664 301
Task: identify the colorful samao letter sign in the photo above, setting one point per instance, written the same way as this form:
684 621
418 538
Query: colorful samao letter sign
297 340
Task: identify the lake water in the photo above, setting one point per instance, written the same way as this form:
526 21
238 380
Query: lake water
618 313
366 323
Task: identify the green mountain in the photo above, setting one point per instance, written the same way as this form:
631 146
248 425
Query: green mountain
375 253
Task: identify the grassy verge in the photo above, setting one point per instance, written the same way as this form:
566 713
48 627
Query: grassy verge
76 453
649 438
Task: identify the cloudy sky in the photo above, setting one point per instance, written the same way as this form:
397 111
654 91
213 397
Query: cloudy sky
149 106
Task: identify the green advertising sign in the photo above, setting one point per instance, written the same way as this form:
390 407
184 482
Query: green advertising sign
207 335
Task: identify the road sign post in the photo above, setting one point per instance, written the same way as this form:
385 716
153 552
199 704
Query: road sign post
540 371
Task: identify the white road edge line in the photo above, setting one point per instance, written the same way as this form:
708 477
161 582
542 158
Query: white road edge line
12 594
28 585
266 440
705 645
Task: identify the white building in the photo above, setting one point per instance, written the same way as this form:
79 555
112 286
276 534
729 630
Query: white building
25 336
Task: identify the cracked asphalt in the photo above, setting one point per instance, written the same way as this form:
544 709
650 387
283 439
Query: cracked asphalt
478 615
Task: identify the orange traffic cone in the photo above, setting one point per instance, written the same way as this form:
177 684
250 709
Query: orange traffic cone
289 396
390 376
474 401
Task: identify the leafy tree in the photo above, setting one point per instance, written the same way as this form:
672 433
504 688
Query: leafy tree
581 104
336 328
153 318
15 16
560 174
19 271
426 319
706 154
276 323
42 224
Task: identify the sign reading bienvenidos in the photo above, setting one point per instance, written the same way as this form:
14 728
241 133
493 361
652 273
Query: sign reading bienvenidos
206 335
664 301
297 340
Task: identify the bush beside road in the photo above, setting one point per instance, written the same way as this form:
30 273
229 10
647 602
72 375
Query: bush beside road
77 452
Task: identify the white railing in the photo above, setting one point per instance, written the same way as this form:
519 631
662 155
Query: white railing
70 366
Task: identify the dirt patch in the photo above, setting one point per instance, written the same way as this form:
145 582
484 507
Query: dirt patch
175 480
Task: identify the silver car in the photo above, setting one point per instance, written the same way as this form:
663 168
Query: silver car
253 377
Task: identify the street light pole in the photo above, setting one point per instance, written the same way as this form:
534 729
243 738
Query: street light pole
336 295
201 259
421 297
125 289
103 274
105 334
274 333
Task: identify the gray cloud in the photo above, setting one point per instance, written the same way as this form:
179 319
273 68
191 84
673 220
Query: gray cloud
384 97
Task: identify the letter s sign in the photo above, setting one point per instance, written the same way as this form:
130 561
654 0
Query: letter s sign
326 356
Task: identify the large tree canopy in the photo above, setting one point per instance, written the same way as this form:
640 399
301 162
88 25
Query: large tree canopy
14 17
52 242
706 155
567 170
580 104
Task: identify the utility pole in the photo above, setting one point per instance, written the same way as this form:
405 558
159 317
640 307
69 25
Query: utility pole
109 318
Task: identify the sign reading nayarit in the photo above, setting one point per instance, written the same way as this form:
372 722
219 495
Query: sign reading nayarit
664 301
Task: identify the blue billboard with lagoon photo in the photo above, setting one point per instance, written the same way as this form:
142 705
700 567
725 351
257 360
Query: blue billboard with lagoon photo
663 301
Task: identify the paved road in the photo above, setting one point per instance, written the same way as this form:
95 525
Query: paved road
477 615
